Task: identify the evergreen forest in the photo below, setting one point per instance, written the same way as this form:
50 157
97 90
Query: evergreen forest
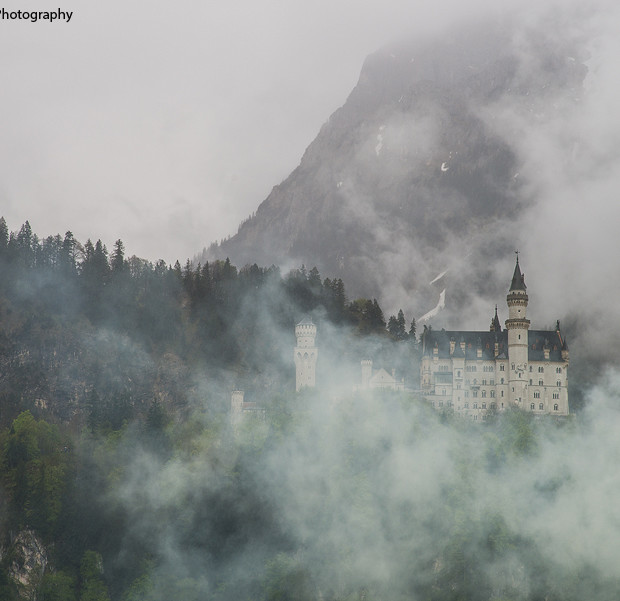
123 478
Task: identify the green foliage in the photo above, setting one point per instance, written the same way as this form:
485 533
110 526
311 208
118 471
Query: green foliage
286 579
34 461
92 587
57 586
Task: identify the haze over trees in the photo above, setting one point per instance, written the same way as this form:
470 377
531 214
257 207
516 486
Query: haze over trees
122 479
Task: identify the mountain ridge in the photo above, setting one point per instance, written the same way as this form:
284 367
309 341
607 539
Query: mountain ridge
414 169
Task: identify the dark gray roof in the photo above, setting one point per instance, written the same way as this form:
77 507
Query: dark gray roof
518 281
537 340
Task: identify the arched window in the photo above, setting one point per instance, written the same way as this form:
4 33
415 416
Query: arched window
555 407
540 406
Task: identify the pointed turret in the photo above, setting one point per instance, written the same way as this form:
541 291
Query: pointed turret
496 326
518 280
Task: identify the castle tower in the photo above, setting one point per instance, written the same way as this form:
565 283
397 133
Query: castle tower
517 325
306 354
236 407
366 372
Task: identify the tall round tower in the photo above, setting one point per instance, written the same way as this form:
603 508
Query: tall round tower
517 325
306 354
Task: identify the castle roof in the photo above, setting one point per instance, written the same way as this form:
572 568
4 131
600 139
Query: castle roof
496 326
306 321
473 341
518 281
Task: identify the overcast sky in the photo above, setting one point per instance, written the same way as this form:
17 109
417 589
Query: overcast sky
166 124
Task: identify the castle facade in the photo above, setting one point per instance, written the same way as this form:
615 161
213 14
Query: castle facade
473 373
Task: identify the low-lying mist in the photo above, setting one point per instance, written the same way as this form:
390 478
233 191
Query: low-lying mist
373 495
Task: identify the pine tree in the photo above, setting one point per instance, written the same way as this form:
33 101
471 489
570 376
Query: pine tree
117 262
412 330
4 236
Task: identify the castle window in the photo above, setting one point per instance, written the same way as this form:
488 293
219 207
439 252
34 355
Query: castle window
492 382
530 381
532 406
540 406
466 405
501 381
556 395
458 373
537 395
558 370
502 395
512 366
484 394
501 367
541 370
555 407
475 418
530 368
492 394
558 383
484 405
475 405
474 394
467 394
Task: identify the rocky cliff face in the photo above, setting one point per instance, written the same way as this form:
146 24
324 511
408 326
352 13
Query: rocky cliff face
27 562
419 168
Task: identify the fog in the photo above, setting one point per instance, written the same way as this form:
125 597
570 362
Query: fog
167 125
360 494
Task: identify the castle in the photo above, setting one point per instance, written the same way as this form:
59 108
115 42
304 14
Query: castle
305 354
473 373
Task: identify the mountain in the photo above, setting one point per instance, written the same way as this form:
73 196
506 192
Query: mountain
419 169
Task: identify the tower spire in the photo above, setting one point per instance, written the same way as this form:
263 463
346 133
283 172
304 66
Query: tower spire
496 326
518 281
